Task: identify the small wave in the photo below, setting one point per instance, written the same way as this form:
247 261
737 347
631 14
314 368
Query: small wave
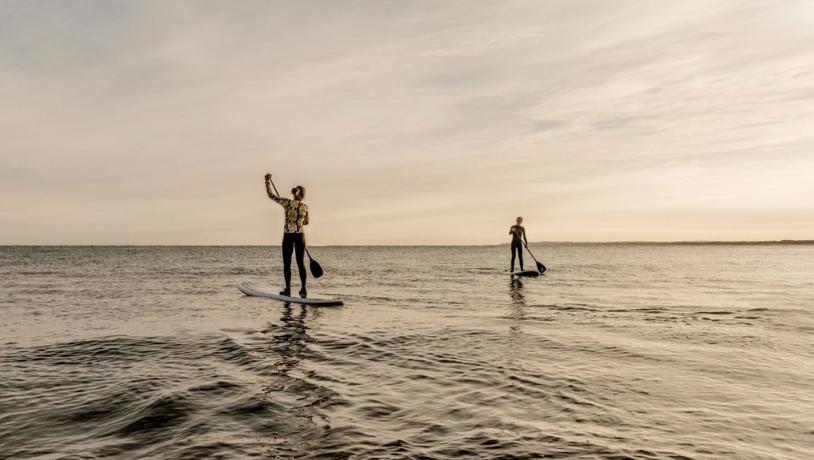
108 394
562 307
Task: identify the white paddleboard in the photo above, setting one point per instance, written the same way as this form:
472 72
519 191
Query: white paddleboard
525 273
254 290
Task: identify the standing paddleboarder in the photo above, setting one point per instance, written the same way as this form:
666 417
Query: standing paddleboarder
518 234
296 216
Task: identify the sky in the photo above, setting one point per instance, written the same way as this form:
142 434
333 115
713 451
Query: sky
408 122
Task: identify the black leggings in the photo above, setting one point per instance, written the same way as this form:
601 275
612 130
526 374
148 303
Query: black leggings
291 242
517 247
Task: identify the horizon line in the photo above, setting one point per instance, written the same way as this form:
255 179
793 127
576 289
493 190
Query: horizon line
624 242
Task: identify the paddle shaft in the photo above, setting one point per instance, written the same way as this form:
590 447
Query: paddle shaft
529 250
275 187
540 267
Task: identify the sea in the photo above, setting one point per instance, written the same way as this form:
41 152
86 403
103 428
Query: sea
619 351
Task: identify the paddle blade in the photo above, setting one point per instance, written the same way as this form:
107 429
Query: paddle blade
541 268
316 269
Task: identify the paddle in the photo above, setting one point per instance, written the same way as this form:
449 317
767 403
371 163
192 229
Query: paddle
540 267
316 268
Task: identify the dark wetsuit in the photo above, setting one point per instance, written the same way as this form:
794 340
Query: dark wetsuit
518 236
293 242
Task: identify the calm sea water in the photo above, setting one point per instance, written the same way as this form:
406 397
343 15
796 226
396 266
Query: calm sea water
619 351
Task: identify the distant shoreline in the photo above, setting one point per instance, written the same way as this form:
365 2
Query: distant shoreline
552 243
690 243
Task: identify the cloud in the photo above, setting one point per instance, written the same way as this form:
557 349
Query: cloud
152 122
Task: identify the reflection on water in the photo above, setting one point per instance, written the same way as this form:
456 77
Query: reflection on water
518 312
288 339
518 298
516 292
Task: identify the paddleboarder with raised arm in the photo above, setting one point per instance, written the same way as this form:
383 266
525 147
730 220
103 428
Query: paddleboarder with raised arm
518 234
296 217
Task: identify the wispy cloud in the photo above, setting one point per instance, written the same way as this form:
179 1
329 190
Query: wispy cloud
409 122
